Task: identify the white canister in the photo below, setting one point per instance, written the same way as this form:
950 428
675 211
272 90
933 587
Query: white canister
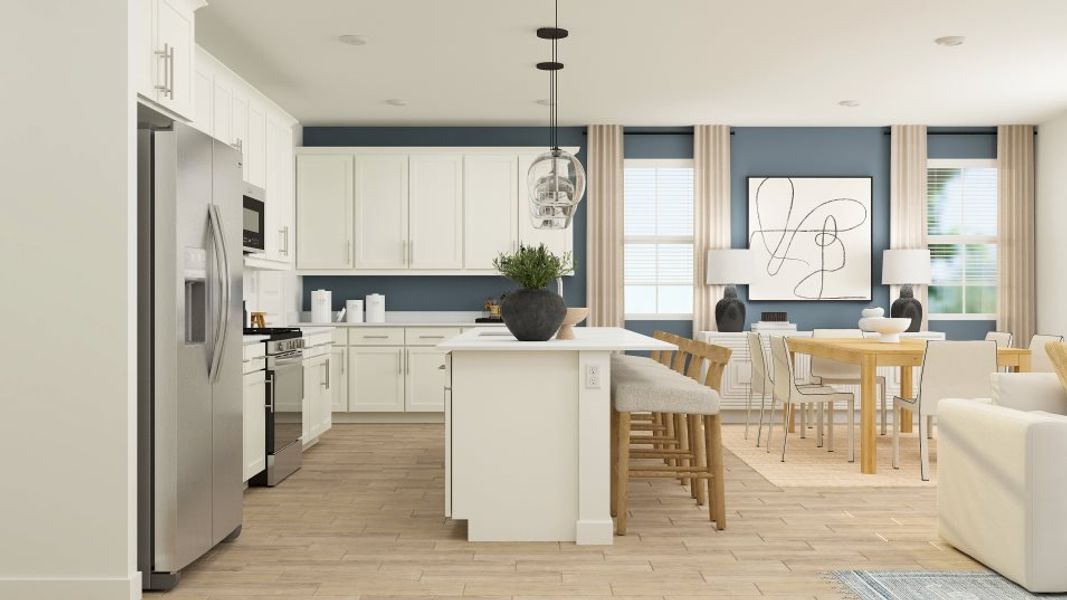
376 308
321 302
354 311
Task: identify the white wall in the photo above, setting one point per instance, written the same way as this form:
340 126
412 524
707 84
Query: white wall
67 258
1051 222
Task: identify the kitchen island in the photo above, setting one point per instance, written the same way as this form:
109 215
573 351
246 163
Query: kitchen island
527 428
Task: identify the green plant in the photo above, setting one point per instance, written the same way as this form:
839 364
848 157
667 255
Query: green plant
532 267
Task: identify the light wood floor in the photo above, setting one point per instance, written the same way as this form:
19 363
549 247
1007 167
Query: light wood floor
363 519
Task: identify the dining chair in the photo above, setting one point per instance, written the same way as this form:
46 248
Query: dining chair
1039 360
791 394
825 371
1002 338
949 370
759 381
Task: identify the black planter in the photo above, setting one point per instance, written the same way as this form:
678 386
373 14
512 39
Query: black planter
730 312
533 315
907 306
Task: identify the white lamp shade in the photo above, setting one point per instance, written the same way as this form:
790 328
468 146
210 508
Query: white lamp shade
729 267
906 267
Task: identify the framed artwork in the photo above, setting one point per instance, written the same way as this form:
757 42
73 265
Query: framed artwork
810 238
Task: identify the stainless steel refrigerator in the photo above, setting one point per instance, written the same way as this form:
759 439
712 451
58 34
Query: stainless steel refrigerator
189 347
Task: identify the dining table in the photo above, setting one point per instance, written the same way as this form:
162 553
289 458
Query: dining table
871 353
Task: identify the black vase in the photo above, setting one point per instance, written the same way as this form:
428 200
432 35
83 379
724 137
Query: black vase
533 315
907 307
730 312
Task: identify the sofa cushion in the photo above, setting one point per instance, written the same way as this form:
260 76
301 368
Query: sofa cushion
1057 353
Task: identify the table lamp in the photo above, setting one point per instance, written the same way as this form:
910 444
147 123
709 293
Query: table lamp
729 267
906 268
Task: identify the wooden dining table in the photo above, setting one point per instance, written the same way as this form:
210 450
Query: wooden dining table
869 354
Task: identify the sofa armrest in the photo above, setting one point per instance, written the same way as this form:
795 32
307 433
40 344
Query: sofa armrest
1030 391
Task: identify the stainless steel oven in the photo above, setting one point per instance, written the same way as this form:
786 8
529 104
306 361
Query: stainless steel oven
284 410
254 220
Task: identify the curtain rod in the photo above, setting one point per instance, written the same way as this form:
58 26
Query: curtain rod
654 132
964 132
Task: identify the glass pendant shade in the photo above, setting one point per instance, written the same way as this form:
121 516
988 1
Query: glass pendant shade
556 181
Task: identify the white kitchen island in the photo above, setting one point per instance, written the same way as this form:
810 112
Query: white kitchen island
527 449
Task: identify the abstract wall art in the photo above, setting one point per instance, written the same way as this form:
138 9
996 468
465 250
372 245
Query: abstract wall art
810 237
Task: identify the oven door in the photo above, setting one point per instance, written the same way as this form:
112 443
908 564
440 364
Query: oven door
285 400
254 225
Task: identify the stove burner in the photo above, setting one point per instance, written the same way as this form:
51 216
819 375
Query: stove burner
275 333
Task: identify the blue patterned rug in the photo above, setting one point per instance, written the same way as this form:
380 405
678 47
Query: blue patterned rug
926 585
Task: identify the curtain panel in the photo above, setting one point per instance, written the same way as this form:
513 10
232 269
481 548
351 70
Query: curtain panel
711 215
1016 299
907 199
604 242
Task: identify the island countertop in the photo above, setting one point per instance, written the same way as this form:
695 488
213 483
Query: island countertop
585 339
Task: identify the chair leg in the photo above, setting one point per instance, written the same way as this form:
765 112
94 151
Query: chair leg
830 427
785 425
770 423
896 437
748 410
716 485
697 440
804 421
930 427
622 464
668 420
852 430
924 448
762 406
884 408
614 461
683 444
821 415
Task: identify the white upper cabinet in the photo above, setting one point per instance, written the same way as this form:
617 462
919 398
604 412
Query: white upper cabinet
279 200
324 211
164 64
223 112
556 240
204 97
256 156
239 136
381 204
435 205
489 208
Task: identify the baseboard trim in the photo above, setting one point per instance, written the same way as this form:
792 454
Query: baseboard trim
117 588
398 418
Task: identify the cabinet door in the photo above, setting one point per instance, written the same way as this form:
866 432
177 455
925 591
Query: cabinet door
240 129
375 379
381 211
312 384
222 111
285 199
204 97
257 145
490 203
339 379
276 221
324 411
556 240
324 211
426 379
435 202
255 424
175 33
143 50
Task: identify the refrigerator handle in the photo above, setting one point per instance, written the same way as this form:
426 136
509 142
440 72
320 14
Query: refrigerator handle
220 268
226 295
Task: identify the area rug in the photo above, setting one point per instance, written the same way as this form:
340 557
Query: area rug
919 585
807 465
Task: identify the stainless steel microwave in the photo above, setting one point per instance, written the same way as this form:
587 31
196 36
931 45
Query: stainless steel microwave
254 220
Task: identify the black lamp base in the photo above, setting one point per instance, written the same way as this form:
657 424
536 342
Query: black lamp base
730 312
907 307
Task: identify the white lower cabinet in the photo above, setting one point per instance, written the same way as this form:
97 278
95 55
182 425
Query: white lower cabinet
318 395
425 380
375 379
339 378
255 424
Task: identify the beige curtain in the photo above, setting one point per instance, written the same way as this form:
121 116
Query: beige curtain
604 243
907 199
711 214
1015 231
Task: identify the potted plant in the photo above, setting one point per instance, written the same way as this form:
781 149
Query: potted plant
533 313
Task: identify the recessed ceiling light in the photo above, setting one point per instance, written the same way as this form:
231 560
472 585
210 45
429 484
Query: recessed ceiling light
950 40
544 102
352 39
396 102
849 103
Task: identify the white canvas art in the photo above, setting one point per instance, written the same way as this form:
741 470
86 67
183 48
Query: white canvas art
810 238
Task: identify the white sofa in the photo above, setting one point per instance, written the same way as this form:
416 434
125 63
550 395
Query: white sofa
1002 479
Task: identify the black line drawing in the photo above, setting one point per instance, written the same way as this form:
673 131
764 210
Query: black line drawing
813 241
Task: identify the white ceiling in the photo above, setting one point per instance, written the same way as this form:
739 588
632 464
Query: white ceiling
654 62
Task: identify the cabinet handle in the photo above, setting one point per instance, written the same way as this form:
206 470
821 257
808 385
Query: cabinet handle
442 368
326 378
170 81
270 404
375 337
162 54
431 337
411 251
348 252
285 240
399 362
343 361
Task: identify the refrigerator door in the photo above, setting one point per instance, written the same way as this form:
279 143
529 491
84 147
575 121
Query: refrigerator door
227 387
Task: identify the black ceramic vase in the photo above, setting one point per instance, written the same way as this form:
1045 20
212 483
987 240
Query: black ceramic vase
533 315
730 312
907 307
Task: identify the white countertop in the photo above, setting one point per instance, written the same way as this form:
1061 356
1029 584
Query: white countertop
441 318
586 338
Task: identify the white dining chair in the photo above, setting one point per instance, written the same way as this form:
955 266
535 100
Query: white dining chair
831 372
1002 338
760 381
949 370
791 394
1039 360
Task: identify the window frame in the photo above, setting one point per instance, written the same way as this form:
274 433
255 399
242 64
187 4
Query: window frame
656 163
964 163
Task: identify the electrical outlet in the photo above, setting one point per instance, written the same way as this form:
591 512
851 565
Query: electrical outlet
592 377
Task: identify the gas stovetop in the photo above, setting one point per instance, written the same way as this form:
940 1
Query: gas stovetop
275 333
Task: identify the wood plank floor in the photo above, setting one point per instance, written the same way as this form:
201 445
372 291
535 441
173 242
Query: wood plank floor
363 520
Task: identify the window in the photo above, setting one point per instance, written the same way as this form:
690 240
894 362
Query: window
961 204
658 237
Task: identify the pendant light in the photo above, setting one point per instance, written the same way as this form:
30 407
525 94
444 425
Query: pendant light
556 180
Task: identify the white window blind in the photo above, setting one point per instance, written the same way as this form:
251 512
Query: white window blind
961 203
658 228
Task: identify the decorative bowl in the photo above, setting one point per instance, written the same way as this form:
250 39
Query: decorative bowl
574 316
889 328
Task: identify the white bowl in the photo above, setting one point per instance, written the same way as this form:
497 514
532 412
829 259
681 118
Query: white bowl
873 312
890 328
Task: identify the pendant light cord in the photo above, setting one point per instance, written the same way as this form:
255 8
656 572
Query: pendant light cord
554 89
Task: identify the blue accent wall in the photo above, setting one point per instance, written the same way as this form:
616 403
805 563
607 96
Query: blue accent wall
755 151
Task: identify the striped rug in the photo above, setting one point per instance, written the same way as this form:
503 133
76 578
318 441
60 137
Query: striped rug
920 585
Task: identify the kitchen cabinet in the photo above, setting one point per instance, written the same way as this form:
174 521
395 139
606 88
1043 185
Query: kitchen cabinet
381 211
222 112
255 424
204 101
375 379
490 203
435 211
256 157
318 397
279 195
239 135
557 241
339 378
424 379
165 54
324 211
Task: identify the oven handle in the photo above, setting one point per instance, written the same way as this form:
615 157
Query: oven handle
295 359
270 382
